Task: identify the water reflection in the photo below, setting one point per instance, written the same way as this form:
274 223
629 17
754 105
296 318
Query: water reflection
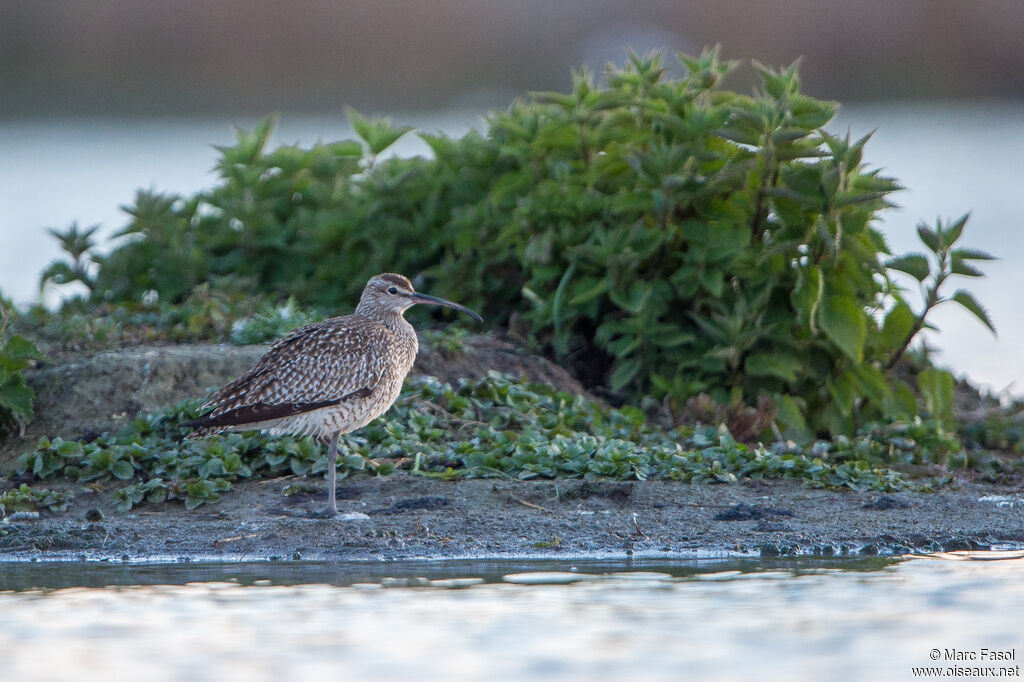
56 575
733 620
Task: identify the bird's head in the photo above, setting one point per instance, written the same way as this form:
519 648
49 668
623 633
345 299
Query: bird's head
389 293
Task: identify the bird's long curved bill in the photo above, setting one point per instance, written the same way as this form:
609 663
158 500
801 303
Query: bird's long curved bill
434 300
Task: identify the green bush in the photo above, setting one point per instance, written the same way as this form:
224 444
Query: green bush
662 237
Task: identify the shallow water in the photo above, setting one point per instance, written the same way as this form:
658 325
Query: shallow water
839 619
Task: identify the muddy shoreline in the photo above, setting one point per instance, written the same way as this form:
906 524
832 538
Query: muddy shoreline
403 516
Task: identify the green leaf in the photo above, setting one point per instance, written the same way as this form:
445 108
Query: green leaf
346 148
844 392
834 419
741 135
624 345
69 449
57 272
936 386
361 124
903 402
872 383
21 349
377 133
669 336
561 334
632 300
625 371
122 470
898 323
930 237
953 232
959 267
971 304
713 281
971 254
16 398
844 323
598 288
791 418
275 458
250 144
156 491
914 264
765 364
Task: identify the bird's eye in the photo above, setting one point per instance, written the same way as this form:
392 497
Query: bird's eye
392 290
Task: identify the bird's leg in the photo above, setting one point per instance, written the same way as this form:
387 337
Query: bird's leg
332 474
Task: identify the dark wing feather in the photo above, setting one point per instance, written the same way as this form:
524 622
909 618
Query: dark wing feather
251 414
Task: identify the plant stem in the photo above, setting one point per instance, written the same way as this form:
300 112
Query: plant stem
931 301
771 175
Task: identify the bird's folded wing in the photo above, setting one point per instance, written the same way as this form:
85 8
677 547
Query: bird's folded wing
313 367
263 412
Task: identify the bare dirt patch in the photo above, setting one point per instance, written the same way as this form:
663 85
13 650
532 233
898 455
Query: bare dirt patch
404 516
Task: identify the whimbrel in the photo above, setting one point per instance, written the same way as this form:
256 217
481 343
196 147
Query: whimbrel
330 377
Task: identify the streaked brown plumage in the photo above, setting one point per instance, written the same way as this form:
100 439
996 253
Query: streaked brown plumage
327 378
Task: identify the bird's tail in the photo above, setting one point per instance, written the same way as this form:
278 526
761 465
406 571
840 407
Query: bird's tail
202 427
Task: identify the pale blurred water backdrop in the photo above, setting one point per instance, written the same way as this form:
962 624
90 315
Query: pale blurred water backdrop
952 157
717 619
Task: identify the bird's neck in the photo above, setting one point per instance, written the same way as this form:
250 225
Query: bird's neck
390 319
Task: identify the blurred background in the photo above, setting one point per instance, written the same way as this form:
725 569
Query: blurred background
98 99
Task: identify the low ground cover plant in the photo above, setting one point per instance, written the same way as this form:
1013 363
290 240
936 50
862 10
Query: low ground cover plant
25 498
496 427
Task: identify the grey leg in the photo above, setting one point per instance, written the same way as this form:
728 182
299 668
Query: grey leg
332 475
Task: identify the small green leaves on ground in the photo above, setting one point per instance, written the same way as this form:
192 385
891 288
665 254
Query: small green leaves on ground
28 499
494 427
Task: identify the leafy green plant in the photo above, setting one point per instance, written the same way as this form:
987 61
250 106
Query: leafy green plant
204 491
154 491
377 134
106 463
78 245
25 498
51 458
914 442
659 237
931 272
16 354
151 452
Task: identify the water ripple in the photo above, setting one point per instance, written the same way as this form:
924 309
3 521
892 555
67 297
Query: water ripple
728 621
